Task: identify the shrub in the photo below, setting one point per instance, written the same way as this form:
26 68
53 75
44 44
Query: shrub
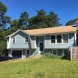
65 57
49 55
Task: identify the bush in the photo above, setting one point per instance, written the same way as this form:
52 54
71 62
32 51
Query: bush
49 55
65 57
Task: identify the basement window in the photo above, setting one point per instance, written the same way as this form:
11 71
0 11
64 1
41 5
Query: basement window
54 52
28 52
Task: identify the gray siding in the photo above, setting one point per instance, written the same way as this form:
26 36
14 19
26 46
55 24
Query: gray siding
60 52
20 41
49 45
39 39
47 51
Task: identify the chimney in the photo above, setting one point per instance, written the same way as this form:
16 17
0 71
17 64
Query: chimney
77 32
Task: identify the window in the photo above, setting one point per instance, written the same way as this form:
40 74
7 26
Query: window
26 39
65 52
60 52
54 52
14 40
28 52
59 39
65 38
52 38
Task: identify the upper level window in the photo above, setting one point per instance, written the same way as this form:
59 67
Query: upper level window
26 39
52 38
13 39
59 38
65 38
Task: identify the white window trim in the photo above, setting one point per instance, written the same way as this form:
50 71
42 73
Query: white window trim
68 38
15 40
61 38
55 39
25 38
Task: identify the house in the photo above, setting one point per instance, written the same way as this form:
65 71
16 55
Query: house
56 40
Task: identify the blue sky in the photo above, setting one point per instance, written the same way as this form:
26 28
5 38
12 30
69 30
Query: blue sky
66 9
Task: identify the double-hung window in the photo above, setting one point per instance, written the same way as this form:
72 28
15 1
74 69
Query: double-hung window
52 38
65 38
26 39
59 38
13 41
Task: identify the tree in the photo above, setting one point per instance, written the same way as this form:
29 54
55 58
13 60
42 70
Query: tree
52 20
14 23
41 20
23 21
3 18
72 22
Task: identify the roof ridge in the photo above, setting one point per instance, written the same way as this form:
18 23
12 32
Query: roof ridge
50 27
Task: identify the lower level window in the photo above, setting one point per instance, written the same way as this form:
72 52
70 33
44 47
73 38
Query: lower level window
28 52
54 52
65 52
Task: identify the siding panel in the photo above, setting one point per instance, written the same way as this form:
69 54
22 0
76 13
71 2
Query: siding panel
50 45
20 41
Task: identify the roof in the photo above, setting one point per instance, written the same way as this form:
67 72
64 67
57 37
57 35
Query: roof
52 30
61 29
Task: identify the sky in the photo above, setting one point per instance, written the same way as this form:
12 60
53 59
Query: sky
66 9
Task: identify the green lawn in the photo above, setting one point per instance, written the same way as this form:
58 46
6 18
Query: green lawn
39 68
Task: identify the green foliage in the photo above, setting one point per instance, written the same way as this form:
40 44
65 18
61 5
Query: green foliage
3 18
50 55
65 57
72 22
24 19
41 20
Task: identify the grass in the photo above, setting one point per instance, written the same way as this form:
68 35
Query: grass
39 68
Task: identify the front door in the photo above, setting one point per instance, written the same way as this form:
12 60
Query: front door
41 48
